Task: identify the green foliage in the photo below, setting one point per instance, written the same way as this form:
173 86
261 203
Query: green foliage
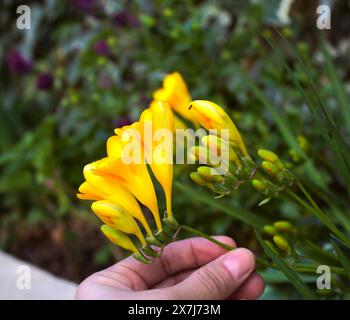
274 83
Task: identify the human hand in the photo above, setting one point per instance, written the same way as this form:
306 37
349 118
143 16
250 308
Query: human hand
188 269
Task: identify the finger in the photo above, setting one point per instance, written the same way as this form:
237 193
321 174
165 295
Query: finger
174 279
177 256
252 289
218 279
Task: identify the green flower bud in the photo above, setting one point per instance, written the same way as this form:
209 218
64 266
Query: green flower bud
197 178
270 230
270 168
259 185
210 174
267 155
281 243
303 143
204 156
270 156
294 155
285 226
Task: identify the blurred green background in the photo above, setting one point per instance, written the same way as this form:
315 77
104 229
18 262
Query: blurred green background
88 66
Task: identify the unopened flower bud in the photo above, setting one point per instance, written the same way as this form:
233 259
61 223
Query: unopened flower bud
294 155
259 185
270 230
285 226
210 174
197 178
303 143
270 156
119 238
267 155
219 146
270 168
281 243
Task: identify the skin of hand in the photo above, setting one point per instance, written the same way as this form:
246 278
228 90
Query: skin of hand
192 269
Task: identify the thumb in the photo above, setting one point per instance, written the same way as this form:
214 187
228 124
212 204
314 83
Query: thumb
218 279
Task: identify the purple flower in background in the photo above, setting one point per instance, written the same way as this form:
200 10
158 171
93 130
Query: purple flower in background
134 21
125 19
122 121
85 5
17 64
44 81
101 47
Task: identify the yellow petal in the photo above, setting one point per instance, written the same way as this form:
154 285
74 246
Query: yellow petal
175 92
88 193
146 115
118 238
162 156
110 188
117 218
212 116
135 178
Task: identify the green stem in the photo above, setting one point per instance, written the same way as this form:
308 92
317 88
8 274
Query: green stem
312 269
308 196
321 215
297 267
201 234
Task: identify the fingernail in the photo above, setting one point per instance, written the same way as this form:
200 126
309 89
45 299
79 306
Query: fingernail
239 263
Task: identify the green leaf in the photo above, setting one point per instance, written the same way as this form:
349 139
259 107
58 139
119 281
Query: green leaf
324 121
343 259
340 94
273 276
283 126
317 254
240 214
293 277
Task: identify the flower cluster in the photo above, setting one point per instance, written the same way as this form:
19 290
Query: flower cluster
120 182
280 232
269 177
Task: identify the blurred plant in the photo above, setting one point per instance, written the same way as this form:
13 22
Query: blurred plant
230 53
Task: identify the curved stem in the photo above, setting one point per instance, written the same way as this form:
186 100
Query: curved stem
201 234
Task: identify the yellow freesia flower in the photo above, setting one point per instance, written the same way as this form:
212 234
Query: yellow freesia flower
135 178
118 238
98 187
175 92
157 149
212 116
146 115
162 151
117 218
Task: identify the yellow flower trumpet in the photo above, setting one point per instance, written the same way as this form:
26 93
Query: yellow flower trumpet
98 187
175 92
212 116
135 178
162 153
119 238
117 218
158 148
